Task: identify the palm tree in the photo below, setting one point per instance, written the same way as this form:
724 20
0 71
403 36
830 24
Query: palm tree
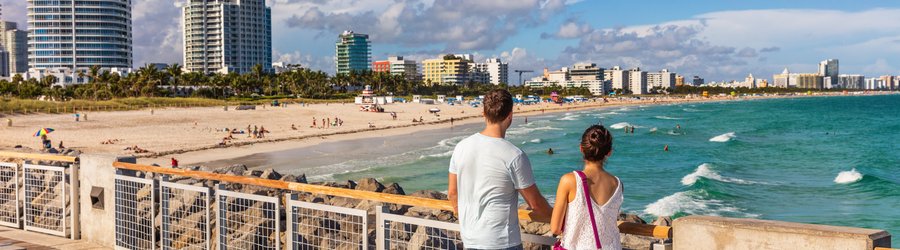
174 71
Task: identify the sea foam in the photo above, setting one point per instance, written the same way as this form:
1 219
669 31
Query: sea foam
662 117
705 171
723 137
692 202
847 177
620 125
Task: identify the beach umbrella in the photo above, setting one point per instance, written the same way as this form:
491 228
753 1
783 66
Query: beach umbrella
43 131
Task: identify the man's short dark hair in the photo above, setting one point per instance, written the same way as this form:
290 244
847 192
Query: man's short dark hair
498 104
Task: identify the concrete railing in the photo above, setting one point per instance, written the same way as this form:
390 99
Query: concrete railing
709 232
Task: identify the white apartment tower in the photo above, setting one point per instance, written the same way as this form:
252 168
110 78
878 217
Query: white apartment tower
223 36
637 81
663 79
79 34
618 77
496 70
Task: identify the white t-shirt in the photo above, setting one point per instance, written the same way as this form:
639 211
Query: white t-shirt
489 172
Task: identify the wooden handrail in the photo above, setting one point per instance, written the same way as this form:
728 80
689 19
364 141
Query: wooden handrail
885 248
662 232
45 157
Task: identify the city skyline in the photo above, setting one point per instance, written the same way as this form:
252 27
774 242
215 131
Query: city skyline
699 39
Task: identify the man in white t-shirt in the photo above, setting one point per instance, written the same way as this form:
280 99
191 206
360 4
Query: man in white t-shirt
487 173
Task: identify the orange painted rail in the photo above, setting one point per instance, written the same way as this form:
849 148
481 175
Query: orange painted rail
662 232
46 157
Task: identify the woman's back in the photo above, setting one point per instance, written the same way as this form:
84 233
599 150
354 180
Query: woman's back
606 197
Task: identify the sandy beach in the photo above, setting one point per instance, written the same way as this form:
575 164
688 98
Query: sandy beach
193 135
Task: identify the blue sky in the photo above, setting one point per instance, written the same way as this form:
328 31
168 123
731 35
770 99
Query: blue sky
719 40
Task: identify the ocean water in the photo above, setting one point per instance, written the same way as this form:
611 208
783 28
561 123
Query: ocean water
824 160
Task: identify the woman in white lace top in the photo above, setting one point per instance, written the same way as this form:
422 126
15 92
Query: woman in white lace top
572 219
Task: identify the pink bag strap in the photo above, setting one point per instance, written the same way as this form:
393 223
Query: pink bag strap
587 198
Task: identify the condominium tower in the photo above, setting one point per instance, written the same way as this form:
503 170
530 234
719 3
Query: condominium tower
224 36
79 34
496 71
13 49
352 52
829 68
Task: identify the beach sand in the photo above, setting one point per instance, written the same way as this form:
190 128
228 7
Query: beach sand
192 135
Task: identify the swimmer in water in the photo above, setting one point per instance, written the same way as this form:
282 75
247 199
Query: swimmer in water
666 148
550 151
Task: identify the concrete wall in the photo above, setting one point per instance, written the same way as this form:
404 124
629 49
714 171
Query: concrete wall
95 170
707 232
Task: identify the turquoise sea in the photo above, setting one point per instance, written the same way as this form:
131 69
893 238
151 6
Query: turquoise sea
824 160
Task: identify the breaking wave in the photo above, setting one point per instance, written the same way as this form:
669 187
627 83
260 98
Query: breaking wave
705 171
723 137
847 177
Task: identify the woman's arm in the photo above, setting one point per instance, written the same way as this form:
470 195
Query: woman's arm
562 203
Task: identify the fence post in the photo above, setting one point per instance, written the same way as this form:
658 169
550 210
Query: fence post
74 189
380 241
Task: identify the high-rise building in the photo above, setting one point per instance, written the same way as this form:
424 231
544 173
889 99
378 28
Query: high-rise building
397 66
888 82
352 52
223 36
697 81
618 77
447 70
679 81
586 72
782 80
637 81
14 47
829 68
851 81
496 70
661 79
807 81
93 33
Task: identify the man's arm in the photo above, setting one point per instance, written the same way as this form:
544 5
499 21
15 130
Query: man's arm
541 210
451 193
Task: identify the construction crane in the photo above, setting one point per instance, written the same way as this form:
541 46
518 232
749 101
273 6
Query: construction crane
520 75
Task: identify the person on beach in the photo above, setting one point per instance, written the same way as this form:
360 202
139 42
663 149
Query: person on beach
77 117
487 174
174 163
588 201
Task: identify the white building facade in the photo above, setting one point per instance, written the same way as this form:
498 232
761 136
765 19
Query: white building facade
637 81
661 79
222 36
496 70
95 33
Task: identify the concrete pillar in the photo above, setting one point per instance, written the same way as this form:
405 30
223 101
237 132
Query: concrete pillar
708 232
96 170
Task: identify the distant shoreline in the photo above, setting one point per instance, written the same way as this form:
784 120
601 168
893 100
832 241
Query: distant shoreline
192 135
261 147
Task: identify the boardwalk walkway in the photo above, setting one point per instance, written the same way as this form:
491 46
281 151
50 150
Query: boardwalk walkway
12 239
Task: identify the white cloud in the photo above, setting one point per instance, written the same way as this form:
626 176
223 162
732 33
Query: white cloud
458 25
323 63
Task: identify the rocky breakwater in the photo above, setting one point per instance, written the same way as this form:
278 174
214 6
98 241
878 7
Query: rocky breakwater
249 227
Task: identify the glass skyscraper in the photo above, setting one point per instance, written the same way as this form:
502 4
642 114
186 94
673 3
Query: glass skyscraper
353 52
79 34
